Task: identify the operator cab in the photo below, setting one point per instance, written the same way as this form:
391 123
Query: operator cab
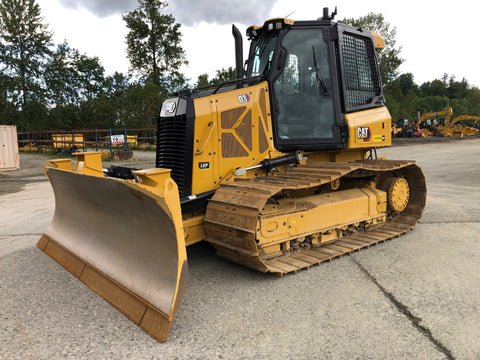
317 71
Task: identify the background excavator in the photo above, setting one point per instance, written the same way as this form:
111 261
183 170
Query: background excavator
276 169
457 130
402 128
441 127
398 128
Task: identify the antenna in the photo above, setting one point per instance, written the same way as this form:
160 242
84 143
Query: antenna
290 14
333 14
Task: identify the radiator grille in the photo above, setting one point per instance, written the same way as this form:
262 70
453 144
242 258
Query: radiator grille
172 150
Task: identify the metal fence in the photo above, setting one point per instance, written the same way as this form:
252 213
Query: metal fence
68 141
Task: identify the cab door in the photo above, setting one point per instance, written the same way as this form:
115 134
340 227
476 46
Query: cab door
306 108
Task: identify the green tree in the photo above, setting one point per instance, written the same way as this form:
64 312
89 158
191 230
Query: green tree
447 86
432 103
407 84
472 100
434 88
202 81
8 112
153 42
24 46
117 87
402 97
172 83
459 106
457 89
75 82
224 75
143 105
388 58
60 76
408 108
90 75
394 98
221 77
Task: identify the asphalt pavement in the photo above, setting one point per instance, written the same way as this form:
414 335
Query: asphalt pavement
413 297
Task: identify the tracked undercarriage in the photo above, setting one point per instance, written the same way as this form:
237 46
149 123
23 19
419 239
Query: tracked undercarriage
313 213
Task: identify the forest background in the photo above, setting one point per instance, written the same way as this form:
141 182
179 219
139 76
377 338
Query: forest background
46 86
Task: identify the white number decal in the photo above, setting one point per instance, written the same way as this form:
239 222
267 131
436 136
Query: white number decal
243 98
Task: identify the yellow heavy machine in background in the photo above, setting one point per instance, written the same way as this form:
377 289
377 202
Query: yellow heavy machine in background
399 128
440 128
276 169
402 128
457 130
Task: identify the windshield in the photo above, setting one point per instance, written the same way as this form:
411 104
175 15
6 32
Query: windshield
303 89
261 54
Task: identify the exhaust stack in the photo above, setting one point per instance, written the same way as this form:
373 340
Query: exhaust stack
238 53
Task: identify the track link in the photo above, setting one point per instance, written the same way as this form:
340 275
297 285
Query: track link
233 213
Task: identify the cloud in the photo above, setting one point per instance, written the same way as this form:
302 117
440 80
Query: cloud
187 12
101 8
221 12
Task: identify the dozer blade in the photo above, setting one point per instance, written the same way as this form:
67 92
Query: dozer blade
123 240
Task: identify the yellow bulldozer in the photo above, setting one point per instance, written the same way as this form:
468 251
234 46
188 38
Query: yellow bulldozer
276 169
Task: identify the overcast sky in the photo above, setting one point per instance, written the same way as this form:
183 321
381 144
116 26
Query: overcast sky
436 37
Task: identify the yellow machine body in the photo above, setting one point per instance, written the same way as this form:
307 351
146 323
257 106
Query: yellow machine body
458 130
228 136
270 200
439 129
323 214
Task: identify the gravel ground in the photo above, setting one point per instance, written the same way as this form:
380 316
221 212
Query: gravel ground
416 297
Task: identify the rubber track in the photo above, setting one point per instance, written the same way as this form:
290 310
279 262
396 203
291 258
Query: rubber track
232 213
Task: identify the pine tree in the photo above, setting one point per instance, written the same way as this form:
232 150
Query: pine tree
153 43
24 42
